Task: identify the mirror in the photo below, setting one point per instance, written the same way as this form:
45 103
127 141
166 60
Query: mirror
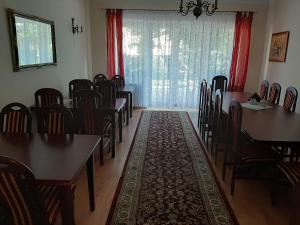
32 41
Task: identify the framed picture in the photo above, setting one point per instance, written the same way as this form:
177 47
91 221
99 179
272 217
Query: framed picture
279 45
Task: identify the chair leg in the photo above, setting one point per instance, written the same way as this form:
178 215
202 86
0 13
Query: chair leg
224 167
233 180
101 152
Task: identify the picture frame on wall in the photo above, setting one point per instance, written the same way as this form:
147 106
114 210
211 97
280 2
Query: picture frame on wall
279 46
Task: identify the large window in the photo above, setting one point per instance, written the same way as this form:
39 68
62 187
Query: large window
167 55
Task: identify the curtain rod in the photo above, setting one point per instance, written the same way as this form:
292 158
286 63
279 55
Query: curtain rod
173 10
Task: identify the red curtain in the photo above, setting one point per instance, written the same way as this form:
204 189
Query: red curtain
114 25
241 50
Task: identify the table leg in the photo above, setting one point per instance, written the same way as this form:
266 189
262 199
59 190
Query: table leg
90 176
67 205
127 109
120 124
131 106
113 136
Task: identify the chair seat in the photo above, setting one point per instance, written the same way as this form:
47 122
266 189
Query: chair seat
291 170
254 154
50 198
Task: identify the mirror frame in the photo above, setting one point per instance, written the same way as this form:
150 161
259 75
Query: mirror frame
14 43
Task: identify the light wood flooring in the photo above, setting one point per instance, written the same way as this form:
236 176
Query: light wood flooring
251 202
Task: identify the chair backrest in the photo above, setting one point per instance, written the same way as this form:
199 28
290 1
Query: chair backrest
203 86
219 82
207 102
15 119
57 120
274 95
119 81
217 109
47 96
79 84
290 99
19 199
108 90
99 77
264 89
234 125
88 115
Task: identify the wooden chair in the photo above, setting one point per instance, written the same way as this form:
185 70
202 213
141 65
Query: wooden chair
290 99
217 123
264 89
108 90
219 82
207 119
22 200
91 117
79 84
99 77
239 153
275 92
119 81
57 120
15 119
48 96
201 99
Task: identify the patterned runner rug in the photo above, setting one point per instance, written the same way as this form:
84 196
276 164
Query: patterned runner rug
167 179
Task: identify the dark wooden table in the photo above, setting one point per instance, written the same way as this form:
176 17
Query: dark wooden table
128 91
117 108
274 125
56 161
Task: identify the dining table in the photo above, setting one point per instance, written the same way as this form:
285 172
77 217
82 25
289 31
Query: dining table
117 107
272 125
56 161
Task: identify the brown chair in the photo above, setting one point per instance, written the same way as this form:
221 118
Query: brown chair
216 123
275 92
79 84
57 120
238 152
207 119
91 117
15 119
108 90
264 89
119 81
290 99
201 99
219 82
99 77
22 199
48 96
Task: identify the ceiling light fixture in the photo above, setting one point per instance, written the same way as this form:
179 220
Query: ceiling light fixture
199 7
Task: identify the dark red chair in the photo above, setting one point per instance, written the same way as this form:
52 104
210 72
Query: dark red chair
264 89
290 99
275 92
80 84
22 199
99 77
119 81
219 82
91 117
48 96
240 153
203 86
15 119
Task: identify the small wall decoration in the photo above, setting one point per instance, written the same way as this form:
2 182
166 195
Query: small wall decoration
279 45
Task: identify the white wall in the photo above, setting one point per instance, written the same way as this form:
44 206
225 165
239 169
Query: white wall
257 41
284 16
73 52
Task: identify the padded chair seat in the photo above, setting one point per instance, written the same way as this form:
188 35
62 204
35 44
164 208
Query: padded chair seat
291 170
50 198
255 153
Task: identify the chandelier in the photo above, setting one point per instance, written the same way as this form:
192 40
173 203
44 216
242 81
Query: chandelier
199 7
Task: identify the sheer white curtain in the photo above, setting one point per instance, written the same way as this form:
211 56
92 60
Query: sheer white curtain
167 55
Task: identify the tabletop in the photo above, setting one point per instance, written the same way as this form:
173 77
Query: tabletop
127 88
273 125
50 159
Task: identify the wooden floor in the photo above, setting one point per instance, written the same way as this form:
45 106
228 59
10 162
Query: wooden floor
251 202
